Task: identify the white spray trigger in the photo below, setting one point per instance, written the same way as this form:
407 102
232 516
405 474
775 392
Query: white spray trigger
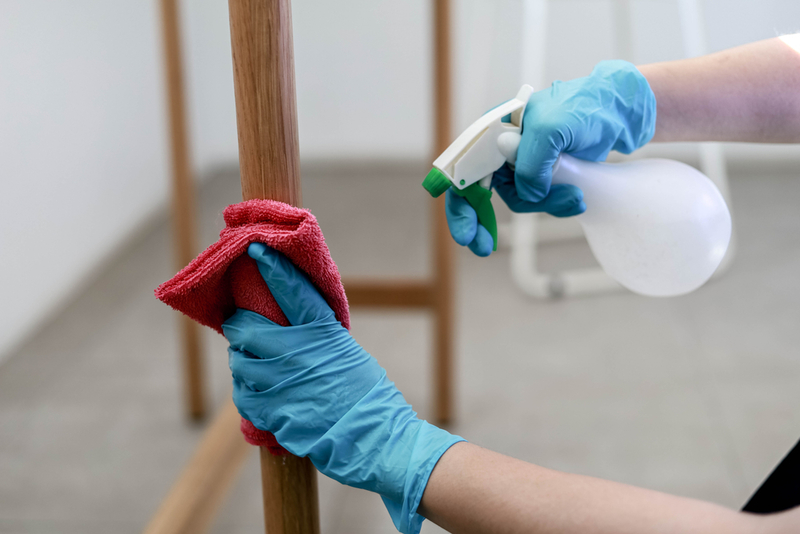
486 145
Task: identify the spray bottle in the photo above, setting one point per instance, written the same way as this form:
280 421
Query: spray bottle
658 227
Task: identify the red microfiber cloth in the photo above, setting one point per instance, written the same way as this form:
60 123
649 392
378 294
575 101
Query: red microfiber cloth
223 277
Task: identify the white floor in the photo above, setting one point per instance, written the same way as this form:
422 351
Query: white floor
695 395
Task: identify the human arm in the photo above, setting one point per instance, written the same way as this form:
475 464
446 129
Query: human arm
750 93
477 491
324 397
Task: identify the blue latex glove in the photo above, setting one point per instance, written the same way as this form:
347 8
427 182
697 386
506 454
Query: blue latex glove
325 397
563 201
611 109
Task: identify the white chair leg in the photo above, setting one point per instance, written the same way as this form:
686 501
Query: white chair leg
533 55
623 30
523 257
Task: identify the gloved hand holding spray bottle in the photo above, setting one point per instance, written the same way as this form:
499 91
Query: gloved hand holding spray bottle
658 227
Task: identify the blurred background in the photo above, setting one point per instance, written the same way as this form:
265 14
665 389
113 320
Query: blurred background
693 395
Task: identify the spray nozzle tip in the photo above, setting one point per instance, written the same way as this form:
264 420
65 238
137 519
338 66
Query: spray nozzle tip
436 182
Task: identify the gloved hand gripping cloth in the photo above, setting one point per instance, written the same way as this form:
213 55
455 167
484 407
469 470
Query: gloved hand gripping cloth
223 277
297 371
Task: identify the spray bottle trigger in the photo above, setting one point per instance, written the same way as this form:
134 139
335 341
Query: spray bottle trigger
480 199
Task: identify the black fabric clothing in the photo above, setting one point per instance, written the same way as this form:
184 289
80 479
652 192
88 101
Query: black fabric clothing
781 490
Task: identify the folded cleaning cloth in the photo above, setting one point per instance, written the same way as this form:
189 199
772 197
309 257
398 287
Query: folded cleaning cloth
223 277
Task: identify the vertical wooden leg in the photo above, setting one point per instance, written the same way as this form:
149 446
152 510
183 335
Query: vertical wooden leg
269 162
443 316
193 367
444 266
183 200
288 482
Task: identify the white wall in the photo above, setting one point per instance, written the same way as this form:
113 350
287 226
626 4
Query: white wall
582 32
82 121
82 157
82 131
363 79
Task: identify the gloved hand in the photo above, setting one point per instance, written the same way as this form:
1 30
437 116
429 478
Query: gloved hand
325 397
611 109
563 201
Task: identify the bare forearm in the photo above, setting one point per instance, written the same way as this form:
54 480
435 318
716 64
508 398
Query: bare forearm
750 93
477 491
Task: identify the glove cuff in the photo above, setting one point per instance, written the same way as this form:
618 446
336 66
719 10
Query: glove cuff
380 445
635 102
430 444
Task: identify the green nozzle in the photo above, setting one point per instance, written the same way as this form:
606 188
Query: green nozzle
436 182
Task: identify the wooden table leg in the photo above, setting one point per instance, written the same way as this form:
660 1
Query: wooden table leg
269 162
444 258
183 200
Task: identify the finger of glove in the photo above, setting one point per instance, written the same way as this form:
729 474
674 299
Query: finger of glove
570 212
462 220
562 198
483 244
255 406
243 397
260 409
534 166
263 374
241 369
301 394
265 355
293 291
249 331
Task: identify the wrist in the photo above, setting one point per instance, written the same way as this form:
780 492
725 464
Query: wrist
381 445
630 93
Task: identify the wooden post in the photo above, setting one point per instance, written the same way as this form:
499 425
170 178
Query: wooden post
183 199
444 261
269 162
